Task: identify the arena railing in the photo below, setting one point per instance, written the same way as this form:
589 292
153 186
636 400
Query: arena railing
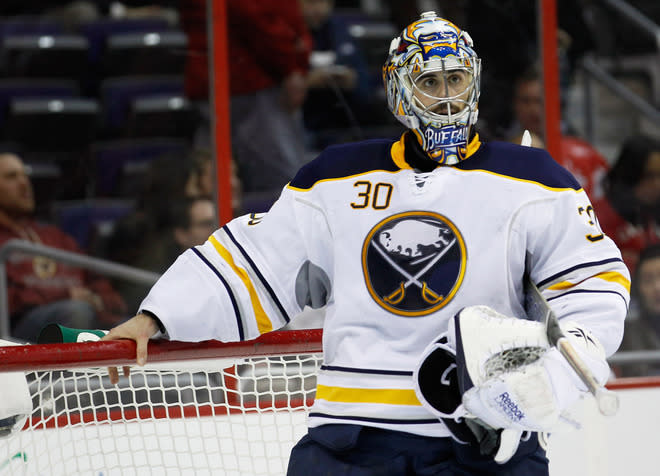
97 265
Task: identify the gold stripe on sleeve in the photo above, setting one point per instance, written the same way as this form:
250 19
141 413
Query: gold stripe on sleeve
263 322
609 276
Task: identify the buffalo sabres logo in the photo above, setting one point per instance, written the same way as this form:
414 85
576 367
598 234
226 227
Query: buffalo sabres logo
413 262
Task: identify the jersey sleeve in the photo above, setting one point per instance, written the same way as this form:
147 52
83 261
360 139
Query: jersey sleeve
251 276
578 268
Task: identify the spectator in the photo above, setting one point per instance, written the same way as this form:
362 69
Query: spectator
338 78
642 328
630 210
191 221
144 238
269 49
579 157
42 291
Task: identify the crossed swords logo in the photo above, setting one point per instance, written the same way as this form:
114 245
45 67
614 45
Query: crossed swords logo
399 293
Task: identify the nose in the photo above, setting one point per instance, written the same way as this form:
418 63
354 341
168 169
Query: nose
445 108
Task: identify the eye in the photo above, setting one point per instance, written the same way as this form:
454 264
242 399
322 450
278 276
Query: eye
429 82
455 79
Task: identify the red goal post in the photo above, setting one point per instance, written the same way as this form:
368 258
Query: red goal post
195 408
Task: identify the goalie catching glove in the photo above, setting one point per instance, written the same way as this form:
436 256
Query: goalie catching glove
506 377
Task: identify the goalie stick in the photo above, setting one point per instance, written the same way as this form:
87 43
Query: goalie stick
538 309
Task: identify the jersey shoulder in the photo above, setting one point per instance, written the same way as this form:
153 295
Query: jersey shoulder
522 163
345 160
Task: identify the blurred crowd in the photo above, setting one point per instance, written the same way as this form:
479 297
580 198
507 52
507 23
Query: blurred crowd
106 145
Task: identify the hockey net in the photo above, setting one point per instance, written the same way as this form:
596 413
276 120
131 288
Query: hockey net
206 408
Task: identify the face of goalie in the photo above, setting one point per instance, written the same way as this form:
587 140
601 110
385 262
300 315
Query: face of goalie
441 92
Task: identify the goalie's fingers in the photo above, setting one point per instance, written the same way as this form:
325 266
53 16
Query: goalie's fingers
139 329
142 349
113 374
509 441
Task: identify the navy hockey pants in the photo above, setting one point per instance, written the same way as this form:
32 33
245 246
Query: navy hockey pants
351 450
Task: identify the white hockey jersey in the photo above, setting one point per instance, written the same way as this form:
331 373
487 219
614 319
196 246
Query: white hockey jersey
394 254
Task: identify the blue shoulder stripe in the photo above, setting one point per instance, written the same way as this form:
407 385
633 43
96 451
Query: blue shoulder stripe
234 303
345 160
589 291
270 290
589 264
525 163
337 368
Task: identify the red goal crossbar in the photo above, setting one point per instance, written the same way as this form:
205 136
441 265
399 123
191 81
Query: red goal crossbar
122 352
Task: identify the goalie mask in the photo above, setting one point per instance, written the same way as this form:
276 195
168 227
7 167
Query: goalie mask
432 79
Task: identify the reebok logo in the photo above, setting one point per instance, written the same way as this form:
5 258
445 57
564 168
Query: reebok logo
509 407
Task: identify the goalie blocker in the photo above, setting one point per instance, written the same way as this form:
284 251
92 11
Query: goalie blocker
491 378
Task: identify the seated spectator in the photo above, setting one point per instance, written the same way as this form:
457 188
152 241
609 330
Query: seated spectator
42 291
168 179
642 330
192 220
579 157
146 237
337 82
630 210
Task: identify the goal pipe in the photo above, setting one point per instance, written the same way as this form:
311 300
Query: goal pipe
43 357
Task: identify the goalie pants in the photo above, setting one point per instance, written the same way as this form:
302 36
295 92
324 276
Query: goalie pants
352 450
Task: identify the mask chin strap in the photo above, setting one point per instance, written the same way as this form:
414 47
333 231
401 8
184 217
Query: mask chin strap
451 154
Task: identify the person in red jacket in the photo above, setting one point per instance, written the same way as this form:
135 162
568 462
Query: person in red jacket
40 290
268 48
582 159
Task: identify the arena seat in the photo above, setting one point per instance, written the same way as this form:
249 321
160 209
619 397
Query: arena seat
86 220
98 31
167 115
30 88
52 124
117 95
151 53
120 165
48 55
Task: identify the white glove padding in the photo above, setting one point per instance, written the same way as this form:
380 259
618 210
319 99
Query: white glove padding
15 400
512 378
437 387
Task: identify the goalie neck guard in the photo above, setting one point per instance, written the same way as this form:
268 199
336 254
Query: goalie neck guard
432 80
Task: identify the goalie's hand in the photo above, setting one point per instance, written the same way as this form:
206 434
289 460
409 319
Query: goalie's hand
523 400
437 387
513 379
140 329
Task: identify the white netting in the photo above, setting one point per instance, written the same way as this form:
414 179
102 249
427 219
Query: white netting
511 359
198 420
